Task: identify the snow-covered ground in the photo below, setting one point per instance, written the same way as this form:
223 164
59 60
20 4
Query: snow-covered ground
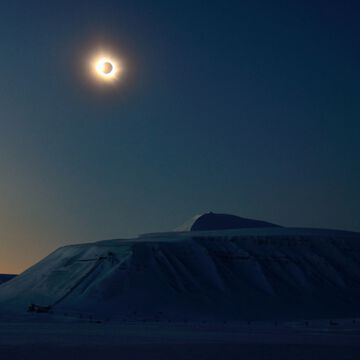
66 339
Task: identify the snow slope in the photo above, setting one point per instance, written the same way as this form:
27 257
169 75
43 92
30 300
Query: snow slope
255 273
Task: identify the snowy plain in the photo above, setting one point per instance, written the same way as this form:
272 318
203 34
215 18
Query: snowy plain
44 338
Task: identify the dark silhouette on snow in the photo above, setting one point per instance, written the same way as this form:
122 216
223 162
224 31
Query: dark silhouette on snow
5 277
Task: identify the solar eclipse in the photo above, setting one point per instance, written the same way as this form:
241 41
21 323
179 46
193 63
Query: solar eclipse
106 68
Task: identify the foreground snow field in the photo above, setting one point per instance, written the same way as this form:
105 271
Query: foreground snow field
34 340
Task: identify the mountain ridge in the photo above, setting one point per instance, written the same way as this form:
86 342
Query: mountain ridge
248 273
219 221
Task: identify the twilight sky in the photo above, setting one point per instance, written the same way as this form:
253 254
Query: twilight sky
247 107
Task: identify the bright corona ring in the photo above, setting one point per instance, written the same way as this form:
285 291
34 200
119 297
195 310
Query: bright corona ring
106 68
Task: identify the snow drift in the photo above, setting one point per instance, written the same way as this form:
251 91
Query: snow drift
233 274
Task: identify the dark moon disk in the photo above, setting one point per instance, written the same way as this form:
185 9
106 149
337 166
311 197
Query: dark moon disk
107 68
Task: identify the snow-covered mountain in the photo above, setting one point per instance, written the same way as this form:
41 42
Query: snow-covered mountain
265 272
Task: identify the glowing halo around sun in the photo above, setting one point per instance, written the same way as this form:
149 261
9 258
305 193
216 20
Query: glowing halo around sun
106 68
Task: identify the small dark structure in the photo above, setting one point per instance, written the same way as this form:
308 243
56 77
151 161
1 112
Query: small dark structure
39 308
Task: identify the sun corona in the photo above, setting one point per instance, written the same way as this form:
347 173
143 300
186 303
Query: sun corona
106 68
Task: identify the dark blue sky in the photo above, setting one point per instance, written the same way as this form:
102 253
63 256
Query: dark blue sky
246 107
